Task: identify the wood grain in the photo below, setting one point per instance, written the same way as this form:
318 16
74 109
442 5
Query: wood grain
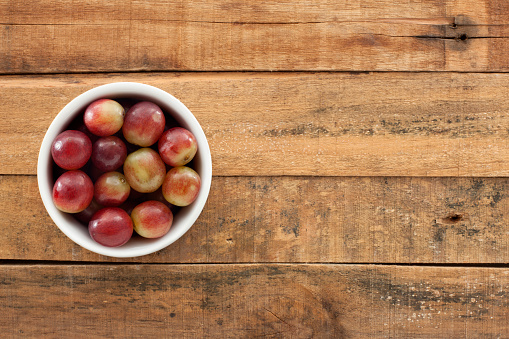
325 124
334 193
237 301
301 219
382 35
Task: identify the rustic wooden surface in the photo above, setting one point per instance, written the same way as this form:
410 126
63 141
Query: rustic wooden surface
303 301
302 219
360 154
325 124
234 35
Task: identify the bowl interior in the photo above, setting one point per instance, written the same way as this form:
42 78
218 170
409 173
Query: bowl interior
186 216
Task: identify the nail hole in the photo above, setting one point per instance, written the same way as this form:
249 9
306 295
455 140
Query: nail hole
453 25
463 37
453 218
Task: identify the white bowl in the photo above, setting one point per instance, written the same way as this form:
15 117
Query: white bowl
183 220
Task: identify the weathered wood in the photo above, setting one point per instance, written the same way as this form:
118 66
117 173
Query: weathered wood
234 301
98 12
295 219
381 35
382 124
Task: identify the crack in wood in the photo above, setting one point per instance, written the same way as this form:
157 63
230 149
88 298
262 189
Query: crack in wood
266 309
459 37
269 334
445 21
450 21
415 21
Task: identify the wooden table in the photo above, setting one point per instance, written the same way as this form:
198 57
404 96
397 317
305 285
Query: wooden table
361 163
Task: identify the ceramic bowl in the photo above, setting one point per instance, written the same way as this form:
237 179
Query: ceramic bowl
183 219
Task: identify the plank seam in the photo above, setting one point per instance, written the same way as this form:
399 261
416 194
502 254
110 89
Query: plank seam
258 71
318 176
19 262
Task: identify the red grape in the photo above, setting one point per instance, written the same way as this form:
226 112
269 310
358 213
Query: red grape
177 146
181 186
111 189
71 149
73 191
152 219
143 124
144 170
104 117
111 226
109 153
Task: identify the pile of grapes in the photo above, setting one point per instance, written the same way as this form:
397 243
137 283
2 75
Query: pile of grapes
124 166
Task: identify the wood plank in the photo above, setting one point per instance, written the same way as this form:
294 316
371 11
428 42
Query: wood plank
327 124
99 11
301 219
382 35
340 301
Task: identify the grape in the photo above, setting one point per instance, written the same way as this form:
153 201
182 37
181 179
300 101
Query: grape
144 170
104 117
152 219
109 153
111 189
111 226
71 149
73 191
177 146
144 123
181 186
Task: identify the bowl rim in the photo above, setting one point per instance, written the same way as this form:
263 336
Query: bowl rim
67 224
